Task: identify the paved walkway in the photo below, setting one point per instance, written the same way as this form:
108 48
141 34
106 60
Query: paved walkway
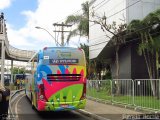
108 111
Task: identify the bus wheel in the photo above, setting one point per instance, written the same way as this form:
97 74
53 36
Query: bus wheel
25 92
32 102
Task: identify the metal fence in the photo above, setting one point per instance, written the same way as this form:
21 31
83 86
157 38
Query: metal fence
138 93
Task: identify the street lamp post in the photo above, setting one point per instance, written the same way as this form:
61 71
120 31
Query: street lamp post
49 34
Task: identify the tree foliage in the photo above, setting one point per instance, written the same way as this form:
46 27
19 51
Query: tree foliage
17 70
149 41
82 22
86 50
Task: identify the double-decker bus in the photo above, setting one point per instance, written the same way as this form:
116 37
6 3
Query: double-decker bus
58 79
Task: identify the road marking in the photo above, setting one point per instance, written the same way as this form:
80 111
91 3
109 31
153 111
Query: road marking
11 115
10 108
16 106
85 111
92 115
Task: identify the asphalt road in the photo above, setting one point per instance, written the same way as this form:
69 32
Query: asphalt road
22 110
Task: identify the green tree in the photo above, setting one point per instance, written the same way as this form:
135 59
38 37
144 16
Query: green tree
148 44
86 50
17 70
114 33
82 22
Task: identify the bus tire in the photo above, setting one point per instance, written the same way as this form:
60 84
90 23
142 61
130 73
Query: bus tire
25 92
32 101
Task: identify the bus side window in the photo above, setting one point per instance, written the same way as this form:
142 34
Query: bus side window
38 58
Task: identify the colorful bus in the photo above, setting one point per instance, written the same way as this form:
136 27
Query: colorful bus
58 79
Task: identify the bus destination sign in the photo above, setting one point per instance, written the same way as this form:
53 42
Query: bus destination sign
63 61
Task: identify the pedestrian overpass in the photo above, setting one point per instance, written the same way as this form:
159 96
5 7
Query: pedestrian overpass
8 52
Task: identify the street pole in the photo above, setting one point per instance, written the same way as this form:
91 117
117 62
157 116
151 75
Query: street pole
62 25
2 62
62 35
11 71
56 42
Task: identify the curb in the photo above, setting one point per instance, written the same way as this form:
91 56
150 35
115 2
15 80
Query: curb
137 109
94 116
11 97
17 91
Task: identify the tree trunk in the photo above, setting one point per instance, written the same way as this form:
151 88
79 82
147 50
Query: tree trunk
148 59
117 71
157 64
157 77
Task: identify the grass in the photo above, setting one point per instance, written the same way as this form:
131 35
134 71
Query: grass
100 94
140 101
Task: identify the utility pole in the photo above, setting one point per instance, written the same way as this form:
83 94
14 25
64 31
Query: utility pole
62 25
2 31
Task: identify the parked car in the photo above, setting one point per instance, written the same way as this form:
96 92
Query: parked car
4 101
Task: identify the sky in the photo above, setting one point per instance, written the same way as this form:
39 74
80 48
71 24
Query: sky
22 16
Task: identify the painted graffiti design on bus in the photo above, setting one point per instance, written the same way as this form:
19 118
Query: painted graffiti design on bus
56 87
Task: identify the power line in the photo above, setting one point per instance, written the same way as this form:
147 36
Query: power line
99 4
78 12
107 2
119 11
96 38
103 4
115 6
124 42
67 16
100 43
127 33
124 8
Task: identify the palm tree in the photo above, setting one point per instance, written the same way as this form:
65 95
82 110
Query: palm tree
153 19
140 28
148 46
82 22
86 50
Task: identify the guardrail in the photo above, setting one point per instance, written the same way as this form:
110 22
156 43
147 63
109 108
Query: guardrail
20 53
138 93
17 91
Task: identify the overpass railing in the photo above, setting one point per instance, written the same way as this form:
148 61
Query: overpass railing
12 50
20 53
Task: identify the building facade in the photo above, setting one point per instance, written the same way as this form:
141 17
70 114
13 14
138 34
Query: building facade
120 11
132 66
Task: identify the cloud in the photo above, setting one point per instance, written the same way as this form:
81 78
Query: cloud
4 4
17 38
47 13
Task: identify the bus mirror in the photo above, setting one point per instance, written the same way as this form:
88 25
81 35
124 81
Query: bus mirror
40 55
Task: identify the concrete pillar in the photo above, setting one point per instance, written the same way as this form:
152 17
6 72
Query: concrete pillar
11 71
2 62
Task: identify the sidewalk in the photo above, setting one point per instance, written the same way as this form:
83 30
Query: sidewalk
107 111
